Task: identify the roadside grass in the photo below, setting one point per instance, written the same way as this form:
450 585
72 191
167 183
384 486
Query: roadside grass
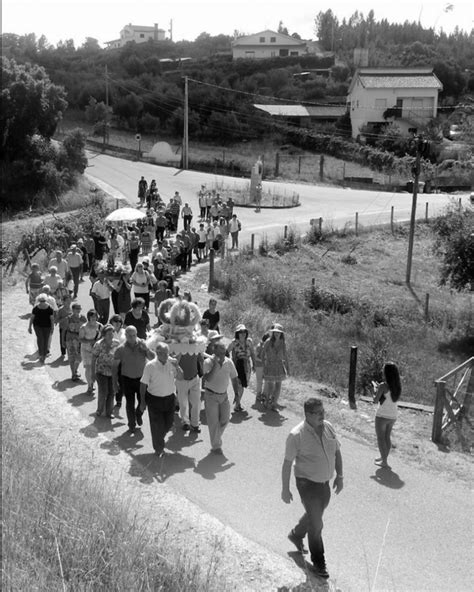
359 297
67 531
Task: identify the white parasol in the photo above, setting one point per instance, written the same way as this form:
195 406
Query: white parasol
125 215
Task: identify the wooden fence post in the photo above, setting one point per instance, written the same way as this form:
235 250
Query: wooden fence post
460 203
252 243
391 218
299 165
427 307
438 411
320 225
357 224
116 204
352 377
277 164
321 167
285 232
426 211
211 269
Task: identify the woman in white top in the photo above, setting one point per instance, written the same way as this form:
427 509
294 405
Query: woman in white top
140 281
386 395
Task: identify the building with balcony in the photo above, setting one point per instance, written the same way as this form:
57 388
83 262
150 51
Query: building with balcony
378 96
137 33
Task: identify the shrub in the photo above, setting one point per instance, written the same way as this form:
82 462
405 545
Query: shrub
319 299
276 293
371 363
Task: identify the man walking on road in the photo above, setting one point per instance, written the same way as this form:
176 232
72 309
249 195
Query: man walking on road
129 361
234 228
218 370
157 392
315 449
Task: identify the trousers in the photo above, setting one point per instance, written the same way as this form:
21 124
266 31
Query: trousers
189 398
315 499
218 416
42 339
105 395
161 416
131 390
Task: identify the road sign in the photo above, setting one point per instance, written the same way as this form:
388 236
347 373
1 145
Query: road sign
138 137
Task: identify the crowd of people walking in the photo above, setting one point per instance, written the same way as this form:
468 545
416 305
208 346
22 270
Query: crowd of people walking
134 268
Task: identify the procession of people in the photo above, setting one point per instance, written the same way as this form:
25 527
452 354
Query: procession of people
144 341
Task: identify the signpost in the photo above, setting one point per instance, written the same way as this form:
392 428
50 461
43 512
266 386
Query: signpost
138 138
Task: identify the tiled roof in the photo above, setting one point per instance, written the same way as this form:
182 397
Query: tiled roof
399 81
302 111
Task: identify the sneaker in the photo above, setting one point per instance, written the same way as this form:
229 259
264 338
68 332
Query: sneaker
320 571
196 429
186 427
297 542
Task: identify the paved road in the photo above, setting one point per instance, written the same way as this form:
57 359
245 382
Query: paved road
336 205
400 530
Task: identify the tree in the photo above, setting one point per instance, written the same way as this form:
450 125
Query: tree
282 29
30 104
326 29
455 244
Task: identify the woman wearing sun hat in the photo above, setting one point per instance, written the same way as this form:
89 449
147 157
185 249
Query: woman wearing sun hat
275 365
243 355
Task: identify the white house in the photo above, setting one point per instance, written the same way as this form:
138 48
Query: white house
137 33
408 96
268 44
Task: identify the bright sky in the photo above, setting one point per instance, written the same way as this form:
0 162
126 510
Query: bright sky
103 19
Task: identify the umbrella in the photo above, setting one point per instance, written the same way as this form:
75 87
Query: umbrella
125 215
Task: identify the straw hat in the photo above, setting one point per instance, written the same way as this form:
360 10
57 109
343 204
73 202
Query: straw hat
277 328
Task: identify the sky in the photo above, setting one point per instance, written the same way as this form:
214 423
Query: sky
103 19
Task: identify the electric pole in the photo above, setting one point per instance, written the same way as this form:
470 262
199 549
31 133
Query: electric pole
106 120
411 236
185 131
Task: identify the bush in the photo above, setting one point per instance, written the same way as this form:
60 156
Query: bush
276 293
455 244
371 363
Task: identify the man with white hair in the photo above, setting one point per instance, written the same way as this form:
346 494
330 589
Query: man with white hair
157 392
129 362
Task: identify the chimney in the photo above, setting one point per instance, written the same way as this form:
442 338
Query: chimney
155 32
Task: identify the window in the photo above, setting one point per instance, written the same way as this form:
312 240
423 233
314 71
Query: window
380 104
283 53
293 53
273 39
142 35
262 39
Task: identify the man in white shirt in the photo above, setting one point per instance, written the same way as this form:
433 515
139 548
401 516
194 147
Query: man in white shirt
100 293
234 228
74 260
61 265
157 392
316 451
218 370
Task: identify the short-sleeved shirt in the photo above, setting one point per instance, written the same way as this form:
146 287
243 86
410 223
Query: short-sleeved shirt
102 291
315 457
61 266
219 379
104 357
132 358
213 319
140 324
74 259
42 316
159 378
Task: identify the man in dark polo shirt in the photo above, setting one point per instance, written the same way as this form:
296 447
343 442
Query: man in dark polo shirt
315 449
130 359
188 390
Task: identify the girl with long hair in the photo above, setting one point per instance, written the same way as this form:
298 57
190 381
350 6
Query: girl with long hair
386 394
275 365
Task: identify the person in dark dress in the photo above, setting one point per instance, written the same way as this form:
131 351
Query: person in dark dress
212 315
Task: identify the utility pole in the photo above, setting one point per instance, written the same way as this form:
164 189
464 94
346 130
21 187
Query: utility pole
185 131
411 236
106 121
